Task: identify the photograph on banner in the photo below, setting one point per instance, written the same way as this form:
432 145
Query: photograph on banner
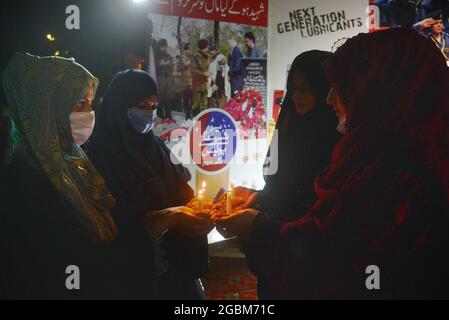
429 17
201 64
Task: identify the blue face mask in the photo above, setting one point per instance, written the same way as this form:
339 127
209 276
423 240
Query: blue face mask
142 120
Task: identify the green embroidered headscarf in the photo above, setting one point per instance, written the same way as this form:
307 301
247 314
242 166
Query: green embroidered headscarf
41 92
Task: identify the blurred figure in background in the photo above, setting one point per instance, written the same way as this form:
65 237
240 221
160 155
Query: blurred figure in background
235 67
185 68
164 70
433 28
219 86
200 71
253 51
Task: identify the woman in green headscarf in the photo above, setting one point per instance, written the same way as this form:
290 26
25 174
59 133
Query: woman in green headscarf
54 204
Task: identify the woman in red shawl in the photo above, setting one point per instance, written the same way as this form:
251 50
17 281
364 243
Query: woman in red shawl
384 198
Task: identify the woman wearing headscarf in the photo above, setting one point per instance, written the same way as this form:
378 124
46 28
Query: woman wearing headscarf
306 136
139 171
219 86
382 213
55 216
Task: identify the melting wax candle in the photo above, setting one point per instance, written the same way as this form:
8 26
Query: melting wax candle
201 201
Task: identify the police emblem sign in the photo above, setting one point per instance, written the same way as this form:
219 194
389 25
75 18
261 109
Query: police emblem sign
213 141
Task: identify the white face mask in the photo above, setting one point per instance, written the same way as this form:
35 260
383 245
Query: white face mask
82 124
342 125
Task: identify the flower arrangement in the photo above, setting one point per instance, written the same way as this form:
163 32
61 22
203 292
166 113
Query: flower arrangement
247 108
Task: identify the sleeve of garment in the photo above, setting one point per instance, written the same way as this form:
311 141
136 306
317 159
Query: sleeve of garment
319 254
195 64
274 251
183 65
160 261
38 239
259 53
417 27
184 192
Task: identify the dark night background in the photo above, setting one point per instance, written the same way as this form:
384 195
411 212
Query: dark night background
110 29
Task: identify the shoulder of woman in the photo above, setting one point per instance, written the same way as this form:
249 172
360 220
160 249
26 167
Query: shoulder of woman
22 186
413 181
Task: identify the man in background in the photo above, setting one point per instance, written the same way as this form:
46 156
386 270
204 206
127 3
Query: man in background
164 71
235 67
213 51
185 68
253 51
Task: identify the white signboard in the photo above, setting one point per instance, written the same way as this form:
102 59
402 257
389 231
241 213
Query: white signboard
298 26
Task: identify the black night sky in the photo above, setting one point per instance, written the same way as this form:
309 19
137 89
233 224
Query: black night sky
110 29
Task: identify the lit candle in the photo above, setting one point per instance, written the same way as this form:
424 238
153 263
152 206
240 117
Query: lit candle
201 200
228 203
232 190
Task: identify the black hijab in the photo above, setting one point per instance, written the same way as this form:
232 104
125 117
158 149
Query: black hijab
137 167
141 176
305 142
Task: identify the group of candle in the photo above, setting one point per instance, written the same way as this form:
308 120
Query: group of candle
230 194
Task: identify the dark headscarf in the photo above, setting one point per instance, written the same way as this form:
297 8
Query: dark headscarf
139 172
305 142
383 196
41 92
137 167
382 199
397 104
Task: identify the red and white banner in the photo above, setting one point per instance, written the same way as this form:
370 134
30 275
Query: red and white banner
250 12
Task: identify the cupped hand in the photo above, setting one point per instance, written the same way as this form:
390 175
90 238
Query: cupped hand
191 224
249 202
239 223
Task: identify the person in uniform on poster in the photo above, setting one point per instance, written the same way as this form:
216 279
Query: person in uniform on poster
213 51
219 86
178 83
433 28
185 68
201 74
164 70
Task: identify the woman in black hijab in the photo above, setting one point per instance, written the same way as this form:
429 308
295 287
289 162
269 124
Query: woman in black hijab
140 174
306 138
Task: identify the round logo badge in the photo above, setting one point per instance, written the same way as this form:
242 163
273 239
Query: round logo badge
213 141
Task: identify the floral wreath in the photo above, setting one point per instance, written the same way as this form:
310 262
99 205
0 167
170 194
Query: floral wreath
235 107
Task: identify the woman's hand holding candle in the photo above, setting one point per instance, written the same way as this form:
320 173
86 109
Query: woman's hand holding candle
248 203
200 201
239 223
182 219
192 224
235 199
